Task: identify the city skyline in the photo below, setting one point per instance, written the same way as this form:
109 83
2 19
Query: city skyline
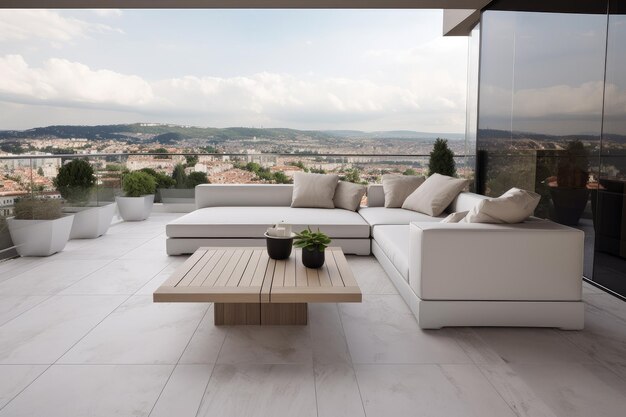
366 70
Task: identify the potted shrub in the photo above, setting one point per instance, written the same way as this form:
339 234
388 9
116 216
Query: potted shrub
39 227
313 245
569 192
441 159
138 197
163 182
75 182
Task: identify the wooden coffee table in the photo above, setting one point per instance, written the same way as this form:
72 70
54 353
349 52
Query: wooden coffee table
248 287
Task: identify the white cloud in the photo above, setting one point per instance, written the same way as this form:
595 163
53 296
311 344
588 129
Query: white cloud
262 98
46 25
64 82
107 12
552 101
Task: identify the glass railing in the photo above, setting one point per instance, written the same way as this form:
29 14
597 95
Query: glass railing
39 187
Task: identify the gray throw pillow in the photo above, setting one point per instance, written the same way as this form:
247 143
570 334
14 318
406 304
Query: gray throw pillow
435 195
348 195
398 187
313 190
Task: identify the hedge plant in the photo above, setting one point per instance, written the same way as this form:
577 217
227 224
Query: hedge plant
75 181
137 184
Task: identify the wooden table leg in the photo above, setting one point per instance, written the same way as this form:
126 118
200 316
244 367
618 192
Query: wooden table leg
284 313
228 314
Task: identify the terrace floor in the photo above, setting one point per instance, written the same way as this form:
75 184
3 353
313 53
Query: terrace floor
80 336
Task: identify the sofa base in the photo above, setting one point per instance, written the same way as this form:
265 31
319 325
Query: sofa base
435 314
566 315
182 246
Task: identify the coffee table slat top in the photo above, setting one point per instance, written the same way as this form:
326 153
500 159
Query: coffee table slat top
248 275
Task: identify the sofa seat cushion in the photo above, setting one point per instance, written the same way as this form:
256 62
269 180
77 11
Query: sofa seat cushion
382 215
252 222
393 240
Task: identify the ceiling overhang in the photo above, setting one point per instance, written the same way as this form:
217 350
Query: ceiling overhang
253 4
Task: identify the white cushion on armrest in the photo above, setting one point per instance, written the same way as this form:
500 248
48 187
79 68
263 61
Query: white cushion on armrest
514 206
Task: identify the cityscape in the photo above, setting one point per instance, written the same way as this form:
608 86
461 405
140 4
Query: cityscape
220 156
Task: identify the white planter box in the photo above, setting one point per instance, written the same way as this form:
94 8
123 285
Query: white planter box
91 222
40 237
134 209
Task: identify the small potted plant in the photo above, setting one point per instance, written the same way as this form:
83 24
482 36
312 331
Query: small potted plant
138 199
313 245
279 241
39 227
75 182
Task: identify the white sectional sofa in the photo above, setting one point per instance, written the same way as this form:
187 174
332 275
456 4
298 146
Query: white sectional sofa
450 274
469 274
239 214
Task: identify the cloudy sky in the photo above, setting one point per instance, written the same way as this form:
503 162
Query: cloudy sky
308 69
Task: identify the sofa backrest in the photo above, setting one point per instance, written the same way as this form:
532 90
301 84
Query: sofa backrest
279 195
375 195
233 195
464 201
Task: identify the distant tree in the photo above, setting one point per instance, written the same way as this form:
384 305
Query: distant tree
161 151
40 171
300 165
209 149
352 175
197 178
114 167
317 171
409 171
281 178
179 176
441 159
191 160
253 167
162 180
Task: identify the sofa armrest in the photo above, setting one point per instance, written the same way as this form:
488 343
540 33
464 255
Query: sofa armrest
535 260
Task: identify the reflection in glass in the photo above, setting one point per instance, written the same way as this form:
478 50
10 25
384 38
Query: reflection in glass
540 116
610 207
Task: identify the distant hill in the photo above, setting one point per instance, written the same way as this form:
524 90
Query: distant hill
167 133
394 134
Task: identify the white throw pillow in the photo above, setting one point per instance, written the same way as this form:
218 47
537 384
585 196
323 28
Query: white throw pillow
435 195
313 190
348 195
455 217
514 206
398 187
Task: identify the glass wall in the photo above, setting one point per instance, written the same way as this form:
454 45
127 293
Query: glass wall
610 194
549 123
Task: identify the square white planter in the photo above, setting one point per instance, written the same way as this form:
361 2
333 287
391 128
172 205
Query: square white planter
40 237
91 222
134 209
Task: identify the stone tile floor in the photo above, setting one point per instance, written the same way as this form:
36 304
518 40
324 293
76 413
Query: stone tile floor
80 336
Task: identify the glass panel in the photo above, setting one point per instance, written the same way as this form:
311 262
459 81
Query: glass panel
610 208
471 118
540 120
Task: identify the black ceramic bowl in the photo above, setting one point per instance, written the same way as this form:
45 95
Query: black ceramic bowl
279 247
